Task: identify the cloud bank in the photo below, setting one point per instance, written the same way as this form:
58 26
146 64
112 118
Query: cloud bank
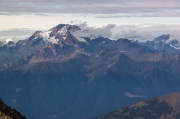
132 32
111 31
124 8
15 34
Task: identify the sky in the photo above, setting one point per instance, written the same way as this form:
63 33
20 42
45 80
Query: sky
133 19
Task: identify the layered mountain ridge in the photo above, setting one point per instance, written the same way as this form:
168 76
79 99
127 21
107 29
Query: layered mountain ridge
59 74
162 107
64 35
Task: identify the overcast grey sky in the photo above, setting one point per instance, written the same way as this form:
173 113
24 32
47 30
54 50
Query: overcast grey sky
139 15
164 8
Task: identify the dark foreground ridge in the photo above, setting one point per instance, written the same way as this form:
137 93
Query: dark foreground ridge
8 113
162 107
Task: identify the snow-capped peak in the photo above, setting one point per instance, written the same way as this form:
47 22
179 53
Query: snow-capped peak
62 33
170 40
65 28
9 39
167 43
8 42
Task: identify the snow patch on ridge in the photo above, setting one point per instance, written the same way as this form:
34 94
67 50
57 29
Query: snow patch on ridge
54 40
175 47
45 35
47 38
81 39
130 95
9 39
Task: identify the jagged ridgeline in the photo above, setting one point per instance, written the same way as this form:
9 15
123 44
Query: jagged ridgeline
60 73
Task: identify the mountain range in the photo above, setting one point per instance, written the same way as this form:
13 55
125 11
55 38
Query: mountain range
58 74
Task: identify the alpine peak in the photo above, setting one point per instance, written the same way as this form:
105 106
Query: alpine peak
62 34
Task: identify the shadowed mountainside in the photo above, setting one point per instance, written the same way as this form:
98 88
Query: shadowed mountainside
162 107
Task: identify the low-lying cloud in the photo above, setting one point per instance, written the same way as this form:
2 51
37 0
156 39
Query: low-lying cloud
15 34
111 31
133 32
